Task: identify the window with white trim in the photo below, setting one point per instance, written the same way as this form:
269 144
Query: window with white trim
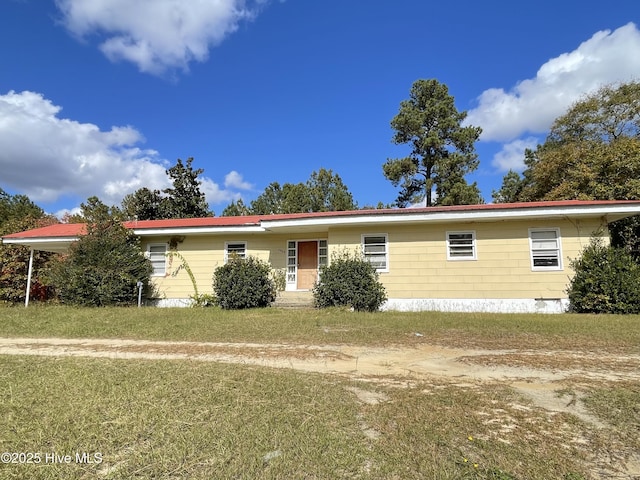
292 261
157 253
546 253
238 249
461 245
323 253
375 250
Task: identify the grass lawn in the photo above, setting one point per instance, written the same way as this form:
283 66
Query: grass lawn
468 330
186 419
164 419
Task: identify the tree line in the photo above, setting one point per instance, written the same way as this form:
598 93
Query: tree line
592 152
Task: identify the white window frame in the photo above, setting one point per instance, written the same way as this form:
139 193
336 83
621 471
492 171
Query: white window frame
226 249
292 264
386 249
457 258
557 249
323 253
292 259
164 258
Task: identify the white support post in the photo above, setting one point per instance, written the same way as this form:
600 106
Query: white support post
26 297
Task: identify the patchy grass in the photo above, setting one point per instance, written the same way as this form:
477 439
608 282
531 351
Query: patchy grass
618 405
560 360
180 419
614 333
473 432
160 419
187 419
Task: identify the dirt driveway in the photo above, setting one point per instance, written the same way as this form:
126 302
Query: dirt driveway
536 374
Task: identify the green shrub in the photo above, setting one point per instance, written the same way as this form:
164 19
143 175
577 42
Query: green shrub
607 280
102 268
244 283
203 300
279 277
349 280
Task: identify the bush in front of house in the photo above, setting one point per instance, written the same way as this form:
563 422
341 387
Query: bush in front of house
349 281
244 283
102 268
606 280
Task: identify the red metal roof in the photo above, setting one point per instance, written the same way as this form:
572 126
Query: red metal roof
451 208
196 222
61 230
58 230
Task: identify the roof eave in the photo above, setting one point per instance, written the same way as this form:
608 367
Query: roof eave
610 212
146 232
46 244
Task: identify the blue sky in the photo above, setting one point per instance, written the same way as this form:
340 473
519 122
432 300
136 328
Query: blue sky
100 97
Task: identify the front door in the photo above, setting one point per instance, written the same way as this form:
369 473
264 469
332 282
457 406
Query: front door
307 264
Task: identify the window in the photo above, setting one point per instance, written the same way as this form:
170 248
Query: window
291 262
461 245
238 249
322 253
157 253
374 249
545 249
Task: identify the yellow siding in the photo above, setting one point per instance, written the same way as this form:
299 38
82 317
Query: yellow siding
418 265
204 253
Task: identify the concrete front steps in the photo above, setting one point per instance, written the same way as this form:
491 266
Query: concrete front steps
294 300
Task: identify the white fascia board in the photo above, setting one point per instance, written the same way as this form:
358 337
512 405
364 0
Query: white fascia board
461 216
44 244
145 232
38 240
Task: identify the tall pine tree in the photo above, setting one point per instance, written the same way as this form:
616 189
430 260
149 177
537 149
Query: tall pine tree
443 151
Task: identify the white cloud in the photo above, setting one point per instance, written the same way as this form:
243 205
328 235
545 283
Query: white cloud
234 179
533 104
47 157
216 195
157 35
64 212
511 157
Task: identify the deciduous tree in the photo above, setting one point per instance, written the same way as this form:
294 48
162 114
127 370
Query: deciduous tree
328 193
19 213
323 191
513 183
103 267
276 198
591 153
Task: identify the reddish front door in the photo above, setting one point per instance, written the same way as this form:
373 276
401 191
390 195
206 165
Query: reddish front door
307 264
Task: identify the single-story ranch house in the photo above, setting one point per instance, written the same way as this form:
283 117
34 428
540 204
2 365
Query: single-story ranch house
494 257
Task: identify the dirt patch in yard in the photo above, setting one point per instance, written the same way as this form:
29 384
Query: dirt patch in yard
549 380
603 365
418 361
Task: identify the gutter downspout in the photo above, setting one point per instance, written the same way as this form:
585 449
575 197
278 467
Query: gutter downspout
26 297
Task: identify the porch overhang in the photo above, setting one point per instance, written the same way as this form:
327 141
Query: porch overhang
43 244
